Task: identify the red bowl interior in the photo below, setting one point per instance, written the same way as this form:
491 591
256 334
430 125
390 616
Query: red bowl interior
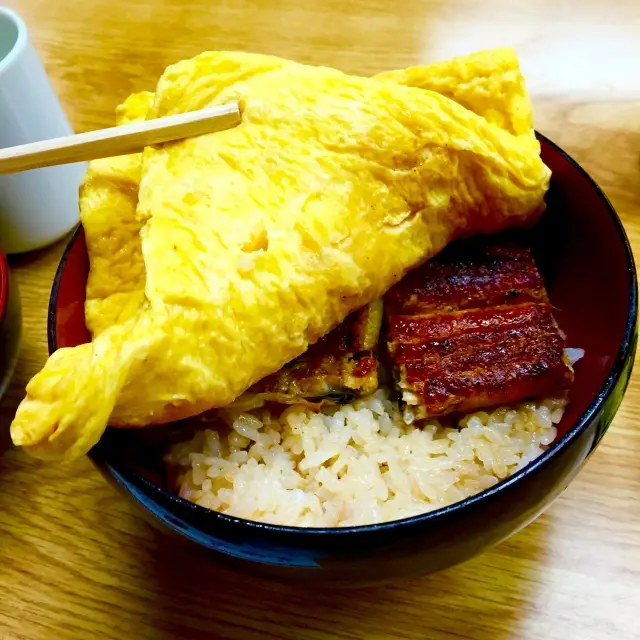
580 247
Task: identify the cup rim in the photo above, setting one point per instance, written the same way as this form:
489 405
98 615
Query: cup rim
21 40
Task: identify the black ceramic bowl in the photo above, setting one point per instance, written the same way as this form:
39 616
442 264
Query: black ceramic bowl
9 324
585 257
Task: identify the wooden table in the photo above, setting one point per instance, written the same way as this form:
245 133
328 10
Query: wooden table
76 561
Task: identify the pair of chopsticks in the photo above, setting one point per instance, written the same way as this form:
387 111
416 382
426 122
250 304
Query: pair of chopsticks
118 141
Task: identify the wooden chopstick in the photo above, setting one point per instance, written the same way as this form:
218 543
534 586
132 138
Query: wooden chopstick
118 141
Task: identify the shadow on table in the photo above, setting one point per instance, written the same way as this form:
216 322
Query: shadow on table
484 599
7 411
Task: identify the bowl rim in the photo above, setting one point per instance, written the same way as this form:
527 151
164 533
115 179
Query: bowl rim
4 285
124 475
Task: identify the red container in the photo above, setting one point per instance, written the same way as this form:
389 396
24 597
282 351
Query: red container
9 324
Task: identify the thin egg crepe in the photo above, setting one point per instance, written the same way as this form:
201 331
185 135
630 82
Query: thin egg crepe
218 259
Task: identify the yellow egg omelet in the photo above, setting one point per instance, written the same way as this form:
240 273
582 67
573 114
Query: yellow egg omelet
218 259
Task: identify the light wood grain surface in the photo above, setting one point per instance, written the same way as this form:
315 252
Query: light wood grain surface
76 561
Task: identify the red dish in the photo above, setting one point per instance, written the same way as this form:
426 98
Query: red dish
9 324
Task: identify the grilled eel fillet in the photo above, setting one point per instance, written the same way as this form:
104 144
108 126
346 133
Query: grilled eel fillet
474 328
338 368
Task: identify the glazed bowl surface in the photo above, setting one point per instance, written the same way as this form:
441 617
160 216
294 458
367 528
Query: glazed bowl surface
584 255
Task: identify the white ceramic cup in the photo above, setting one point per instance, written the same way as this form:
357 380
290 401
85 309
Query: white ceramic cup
40 206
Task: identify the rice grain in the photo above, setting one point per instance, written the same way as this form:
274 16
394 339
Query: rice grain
356 464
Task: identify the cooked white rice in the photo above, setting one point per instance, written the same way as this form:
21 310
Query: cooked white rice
357 464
